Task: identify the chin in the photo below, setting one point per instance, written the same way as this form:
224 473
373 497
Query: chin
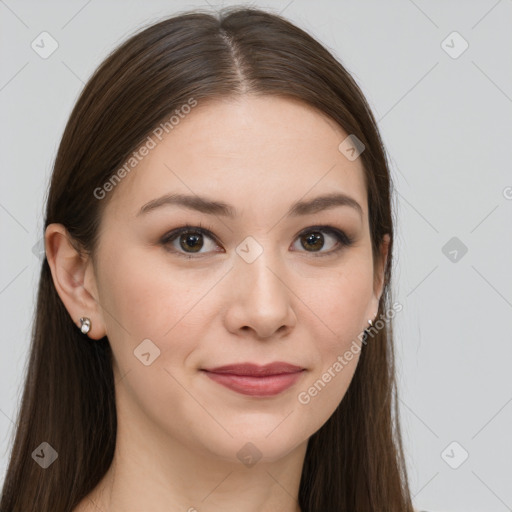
254 441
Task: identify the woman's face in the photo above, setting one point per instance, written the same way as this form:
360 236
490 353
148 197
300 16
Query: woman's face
260 286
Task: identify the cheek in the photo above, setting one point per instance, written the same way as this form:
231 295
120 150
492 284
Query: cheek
147 298
152 311
322 393
340 301
338 356
340 305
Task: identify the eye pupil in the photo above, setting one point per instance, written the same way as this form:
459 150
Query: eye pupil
313 239
190 241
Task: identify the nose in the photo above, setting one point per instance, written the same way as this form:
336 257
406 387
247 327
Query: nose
261 300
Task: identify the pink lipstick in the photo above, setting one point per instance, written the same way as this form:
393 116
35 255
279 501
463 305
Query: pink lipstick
254 380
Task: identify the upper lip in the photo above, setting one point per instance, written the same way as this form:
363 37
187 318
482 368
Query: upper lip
251 369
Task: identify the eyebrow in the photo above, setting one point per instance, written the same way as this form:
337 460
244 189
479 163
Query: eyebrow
211 207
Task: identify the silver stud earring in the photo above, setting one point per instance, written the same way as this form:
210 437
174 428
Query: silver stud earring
366 333
85 324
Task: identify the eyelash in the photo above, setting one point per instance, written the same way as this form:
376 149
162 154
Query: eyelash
342 238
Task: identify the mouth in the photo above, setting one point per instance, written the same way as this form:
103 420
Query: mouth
254 380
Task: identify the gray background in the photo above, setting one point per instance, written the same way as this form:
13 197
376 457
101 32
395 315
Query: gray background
446 123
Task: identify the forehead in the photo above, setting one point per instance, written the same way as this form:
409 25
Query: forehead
252 152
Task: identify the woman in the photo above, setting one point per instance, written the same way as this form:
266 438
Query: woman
214 319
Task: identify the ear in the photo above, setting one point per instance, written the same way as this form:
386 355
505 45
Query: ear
74 279
379 270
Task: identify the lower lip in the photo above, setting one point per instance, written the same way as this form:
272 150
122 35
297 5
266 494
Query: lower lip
256 386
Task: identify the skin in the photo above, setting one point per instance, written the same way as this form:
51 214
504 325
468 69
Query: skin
179 432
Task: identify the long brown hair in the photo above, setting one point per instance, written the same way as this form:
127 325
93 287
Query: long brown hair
355 462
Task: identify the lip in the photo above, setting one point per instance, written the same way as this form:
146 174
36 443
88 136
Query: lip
255 380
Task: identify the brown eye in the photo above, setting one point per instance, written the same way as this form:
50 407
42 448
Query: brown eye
189 240
313 240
